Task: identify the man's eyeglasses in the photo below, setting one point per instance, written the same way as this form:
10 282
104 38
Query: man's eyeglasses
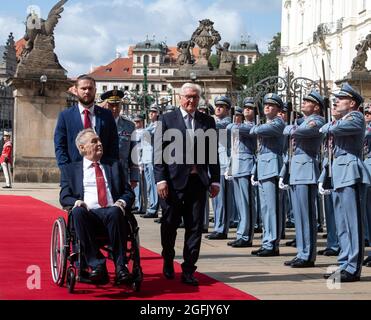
191 97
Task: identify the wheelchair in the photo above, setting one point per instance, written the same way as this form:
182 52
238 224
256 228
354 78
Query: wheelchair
65 248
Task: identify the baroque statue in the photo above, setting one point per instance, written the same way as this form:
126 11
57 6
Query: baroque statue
36 26
185 50
226 59
359 62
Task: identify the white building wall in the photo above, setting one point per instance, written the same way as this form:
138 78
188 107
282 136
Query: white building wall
300 19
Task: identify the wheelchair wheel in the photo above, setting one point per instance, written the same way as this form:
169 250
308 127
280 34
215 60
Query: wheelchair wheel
58 254
71 279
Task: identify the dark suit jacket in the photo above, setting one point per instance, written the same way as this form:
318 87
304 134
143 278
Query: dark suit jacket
72 183
69 125
177 174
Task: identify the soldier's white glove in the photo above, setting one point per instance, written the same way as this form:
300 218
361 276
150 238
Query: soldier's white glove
322 191
227 176
141 168
80 203
283 186
254 182
121 204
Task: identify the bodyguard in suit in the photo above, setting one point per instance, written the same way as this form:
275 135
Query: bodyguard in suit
147 160
125 129
269 164
183 185
243 148
349 173
222 204
304 173
367 161
99 194
85 115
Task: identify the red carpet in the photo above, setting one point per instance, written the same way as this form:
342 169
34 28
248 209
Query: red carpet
25 231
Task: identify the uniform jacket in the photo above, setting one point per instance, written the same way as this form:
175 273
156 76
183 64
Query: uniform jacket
69 125
347 167
7 152
270 137
177 174
367 148
147 143
243 148
72 188
224 143
304 166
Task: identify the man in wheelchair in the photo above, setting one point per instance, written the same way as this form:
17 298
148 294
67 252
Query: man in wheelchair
99 194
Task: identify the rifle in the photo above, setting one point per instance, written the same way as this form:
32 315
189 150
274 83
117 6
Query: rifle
327 185
292 117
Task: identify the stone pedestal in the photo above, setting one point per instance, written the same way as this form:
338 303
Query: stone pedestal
35 118
213 82
361 81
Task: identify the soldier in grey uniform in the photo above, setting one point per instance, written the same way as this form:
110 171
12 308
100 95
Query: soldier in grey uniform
367 156
243 148
304 173
269 164
169 108
349 173
125 128
223 200
147 161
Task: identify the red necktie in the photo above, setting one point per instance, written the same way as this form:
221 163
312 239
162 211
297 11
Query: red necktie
87 122
101 185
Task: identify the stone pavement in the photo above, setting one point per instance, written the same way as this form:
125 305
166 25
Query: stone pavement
265 278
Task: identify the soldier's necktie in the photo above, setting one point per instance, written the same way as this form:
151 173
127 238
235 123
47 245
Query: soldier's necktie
101 185
87 122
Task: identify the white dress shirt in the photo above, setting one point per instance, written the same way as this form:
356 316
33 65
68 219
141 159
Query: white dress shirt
90 186
91 115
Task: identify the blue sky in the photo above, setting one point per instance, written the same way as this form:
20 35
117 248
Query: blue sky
91 31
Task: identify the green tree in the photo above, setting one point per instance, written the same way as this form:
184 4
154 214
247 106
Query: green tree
265 66
214 61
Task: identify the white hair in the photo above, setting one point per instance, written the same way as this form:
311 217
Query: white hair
81 140
191 86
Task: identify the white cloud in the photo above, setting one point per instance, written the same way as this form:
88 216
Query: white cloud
90 33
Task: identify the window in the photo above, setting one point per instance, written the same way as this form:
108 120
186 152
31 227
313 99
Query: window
165 71
164 87
250 60
126 88
153 71
138 59
115 87
126 69
146 59
104 88
138 71
153 88
109 70
242 60
153 59
137 87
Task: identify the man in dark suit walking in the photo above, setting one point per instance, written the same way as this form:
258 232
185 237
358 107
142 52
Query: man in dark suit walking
183 185
85 115
99 193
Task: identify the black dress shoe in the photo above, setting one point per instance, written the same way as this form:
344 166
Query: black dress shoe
345 276
122 275
300 263
258 230
7 187
255 252
189 279
217 236
319 229
240 243
268 253
291 243
205 230
290 225
168 270
158 220
324 236
367 243
367 262
99 275
290 262
233 225
229 243
149 215
328 252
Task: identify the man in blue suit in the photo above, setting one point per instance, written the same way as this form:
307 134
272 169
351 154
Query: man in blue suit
84 115
304 173
270 136
98 191
184 177
349 174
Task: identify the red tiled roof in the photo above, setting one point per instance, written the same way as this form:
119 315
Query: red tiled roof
120 68
19 46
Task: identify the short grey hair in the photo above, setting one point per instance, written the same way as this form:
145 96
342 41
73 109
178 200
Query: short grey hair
81 139
192 86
